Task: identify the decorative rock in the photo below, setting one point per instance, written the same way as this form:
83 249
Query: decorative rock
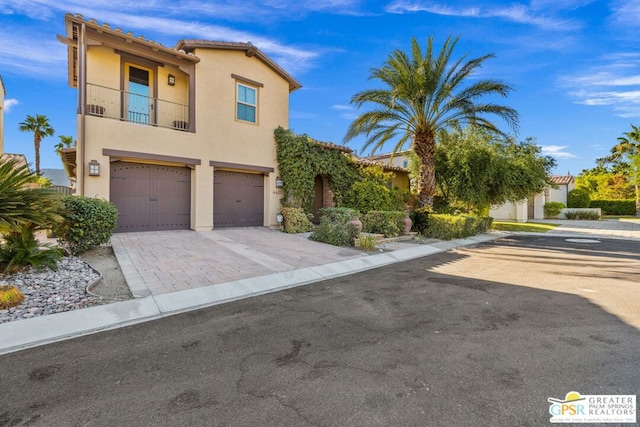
49 292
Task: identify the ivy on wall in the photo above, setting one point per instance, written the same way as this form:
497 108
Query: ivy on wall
300 160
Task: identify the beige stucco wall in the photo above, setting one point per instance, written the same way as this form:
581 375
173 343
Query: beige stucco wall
510 211
560 194
219 137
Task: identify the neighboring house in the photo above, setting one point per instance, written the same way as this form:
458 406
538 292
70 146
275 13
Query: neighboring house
19 159
176 138
564 184
534 207
400 159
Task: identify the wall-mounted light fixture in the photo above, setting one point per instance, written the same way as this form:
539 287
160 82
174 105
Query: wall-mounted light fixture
279 182
171 81
94 168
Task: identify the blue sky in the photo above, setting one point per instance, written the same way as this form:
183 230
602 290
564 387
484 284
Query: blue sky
574 64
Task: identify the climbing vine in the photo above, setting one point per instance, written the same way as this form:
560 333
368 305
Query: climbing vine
300 160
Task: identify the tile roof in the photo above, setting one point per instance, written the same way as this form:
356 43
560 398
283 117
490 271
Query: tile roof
332 146
19 159
129 36
562 179
386 166
250 50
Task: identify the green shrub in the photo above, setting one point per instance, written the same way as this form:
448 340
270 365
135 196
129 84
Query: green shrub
388 223
420 219
21 248
296 220
334 233
340 215
615 207
552 209
579 214
447 227
578 198
88 223
367 242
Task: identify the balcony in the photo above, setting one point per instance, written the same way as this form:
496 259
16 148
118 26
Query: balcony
135 108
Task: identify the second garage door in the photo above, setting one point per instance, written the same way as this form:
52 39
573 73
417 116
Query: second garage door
151 197
238 199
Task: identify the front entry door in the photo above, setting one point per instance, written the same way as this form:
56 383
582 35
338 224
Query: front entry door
139 98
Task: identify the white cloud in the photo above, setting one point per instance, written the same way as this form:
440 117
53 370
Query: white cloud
613 82
9 103
348 112
40 50
519 13
558 151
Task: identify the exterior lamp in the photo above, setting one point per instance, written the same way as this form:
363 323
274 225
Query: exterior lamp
279 182
171 80
279 218
94 168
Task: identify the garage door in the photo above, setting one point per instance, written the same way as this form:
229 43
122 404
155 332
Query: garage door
151 197
238 199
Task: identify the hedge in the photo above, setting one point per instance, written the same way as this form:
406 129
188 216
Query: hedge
295 220
335 227
388 223
578 198
447 227
88 223
615 207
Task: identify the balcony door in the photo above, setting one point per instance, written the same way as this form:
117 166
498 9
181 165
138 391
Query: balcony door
140 99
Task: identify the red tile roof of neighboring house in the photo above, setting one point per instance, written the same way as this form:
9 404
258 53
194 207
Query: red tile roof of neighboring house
563 179
386 166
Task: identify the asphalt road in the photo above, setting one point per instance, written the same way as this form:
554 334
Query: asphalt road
478 336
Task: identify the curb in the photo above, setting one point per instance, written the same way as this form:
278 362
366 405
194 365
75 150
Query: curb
27 333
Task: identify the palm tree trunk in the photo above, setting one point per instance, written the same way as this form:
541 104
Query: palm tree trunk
425 148
36 143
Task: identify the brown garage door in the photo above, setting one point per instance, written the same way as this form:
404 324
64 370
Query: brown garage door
151 197
238 199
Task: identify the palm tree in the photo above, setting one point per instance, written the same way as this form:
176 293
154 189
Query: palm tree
41 128
23 204
424 95
627 154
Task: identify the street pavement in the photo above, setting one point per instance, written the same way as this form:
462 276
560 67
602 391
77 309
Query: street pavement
480 335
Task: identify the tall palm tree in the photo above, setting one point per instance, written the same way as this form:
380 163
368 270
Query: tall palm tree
424 94
627 154
41 128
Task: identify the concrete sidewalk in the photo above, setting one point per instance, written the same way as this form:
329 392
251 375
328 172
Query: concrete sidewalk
623 229
173 272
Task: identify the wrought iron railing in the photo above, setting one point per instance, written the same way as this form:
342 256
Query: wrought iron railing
135 108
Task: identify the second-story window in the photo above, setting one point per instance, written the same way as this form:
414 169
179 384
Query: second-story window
246 103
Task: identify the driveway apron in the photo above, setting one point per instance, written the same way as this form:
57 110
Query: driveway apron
155 263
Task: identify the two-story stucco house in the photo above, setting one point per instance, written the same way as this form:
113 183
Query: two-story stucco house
176 138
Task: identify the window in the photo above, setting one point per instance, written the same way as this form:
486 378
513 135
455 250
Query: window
247 103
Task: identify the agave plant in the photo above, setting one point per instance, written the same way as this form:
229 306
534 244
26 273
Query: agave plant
21 248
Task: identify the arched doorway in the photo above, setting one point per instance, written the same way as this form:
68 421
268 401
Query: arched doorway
318 200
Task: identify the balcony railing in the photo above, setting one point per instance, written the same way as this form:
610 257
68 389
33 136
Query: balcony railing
135 108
